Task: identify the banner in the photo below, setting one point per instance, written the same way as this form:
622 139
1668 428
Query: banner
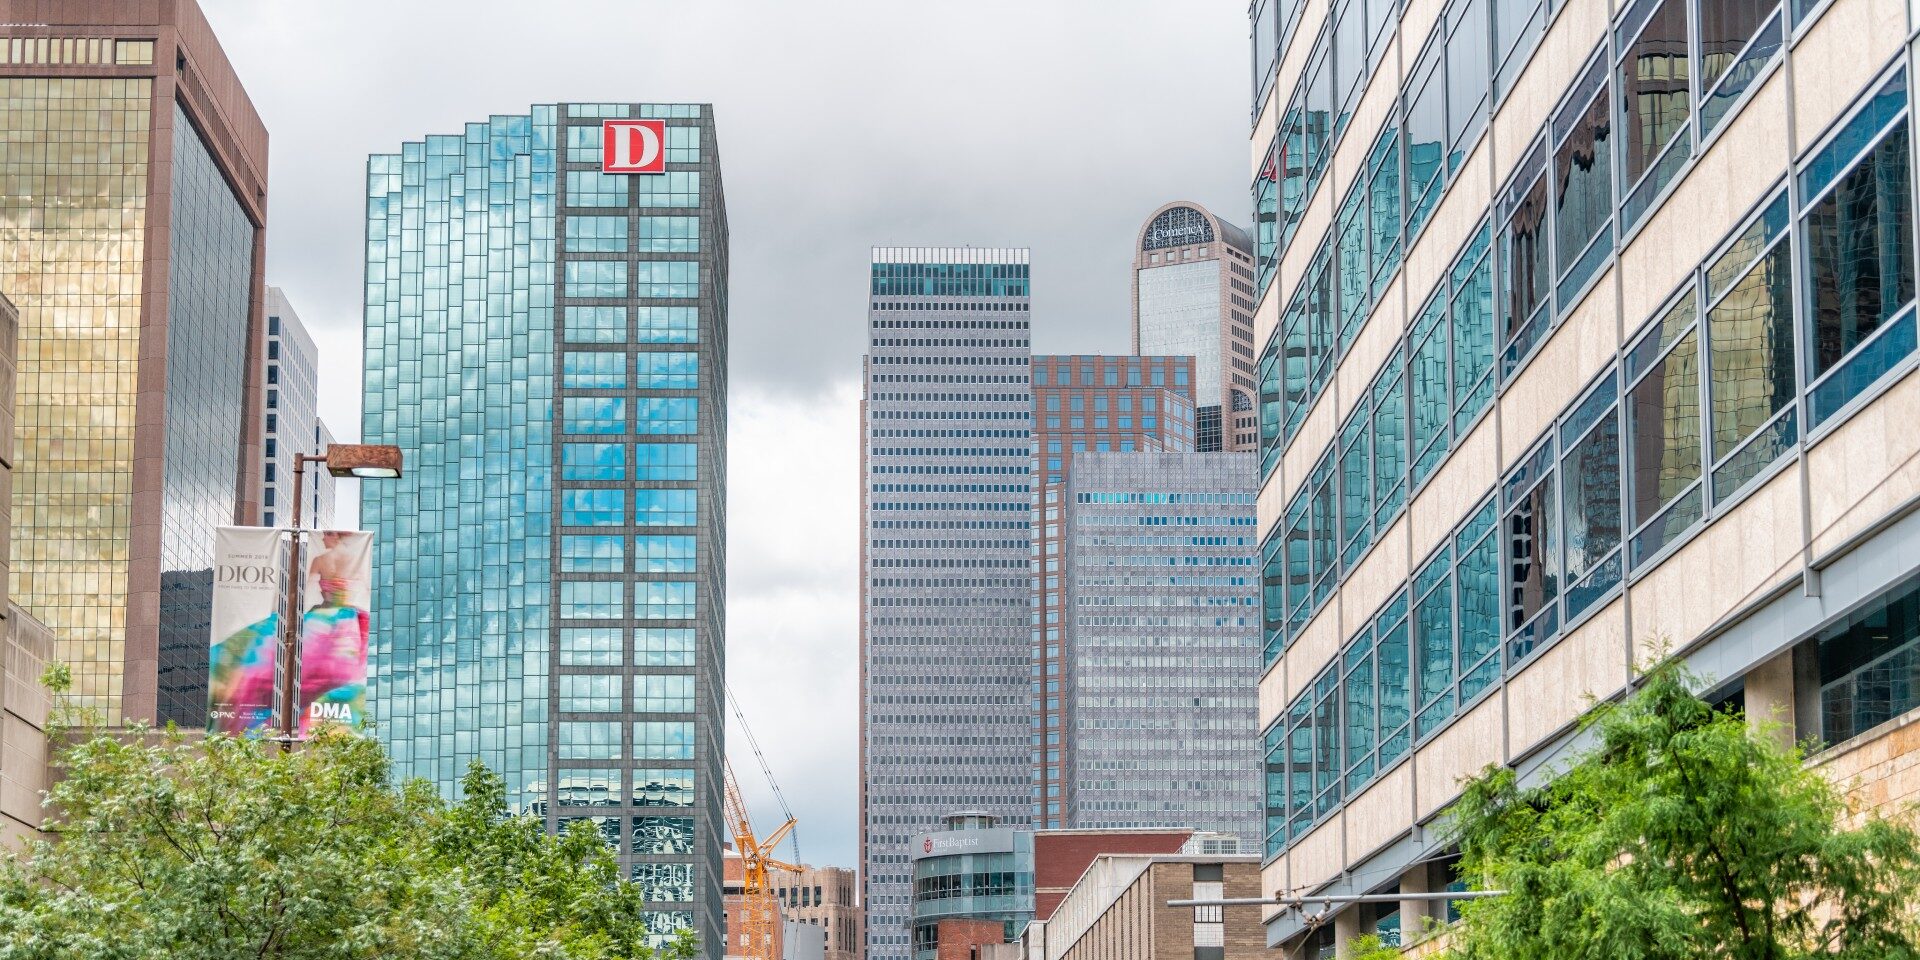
246 630
336 591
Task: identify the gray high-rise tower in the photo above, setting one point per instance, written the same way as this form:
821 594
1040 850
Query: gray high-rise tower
946 489
1163 659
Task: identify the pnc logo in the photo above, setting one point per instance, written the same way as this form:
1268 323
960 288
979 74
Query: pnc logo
926 846
633 146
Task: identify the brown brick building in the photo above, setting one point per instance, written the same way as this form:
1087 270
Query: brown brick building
823 897
1118 911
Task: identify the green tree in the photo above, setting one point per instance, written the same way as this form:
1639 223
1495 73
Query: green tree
1370 947
169 845
1681 834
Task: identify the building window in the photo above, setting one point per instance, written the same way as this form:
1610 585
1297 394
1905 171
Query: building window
596 234
663 740
588 740
664 508
594 554
593 461
665 461
593 600
669 234
663 647
663 693
666 371
591 415
600 370
598 693
596 324
662 788
669 324
1859 230
596 278
1870 665
670 415
668 278
590 647
591 188
664 554
598 508
668 600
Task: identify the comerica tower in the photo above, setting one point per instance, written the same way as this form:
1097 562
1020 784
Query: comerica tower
546 341
946 487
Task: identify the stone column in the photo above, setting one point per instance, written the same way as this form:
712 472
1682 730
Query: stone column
1770 698
1414 913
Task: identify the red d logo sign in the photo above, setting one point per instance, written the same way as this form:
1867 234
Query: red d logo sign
633 146
927 845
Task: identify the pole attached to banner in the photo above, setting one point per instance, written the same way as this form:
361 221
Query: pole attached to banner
360 460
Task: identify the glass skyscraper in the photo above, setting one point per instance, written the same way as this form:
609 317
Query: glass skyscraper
945 494
1193 296
132 215
547 344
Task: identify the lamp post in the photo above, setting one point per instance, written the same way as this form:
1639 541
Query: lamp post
367 461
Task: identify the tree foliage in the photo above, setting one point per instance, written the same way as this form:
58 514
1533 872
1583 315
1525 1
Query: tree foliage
1370 947
1682 834
185 847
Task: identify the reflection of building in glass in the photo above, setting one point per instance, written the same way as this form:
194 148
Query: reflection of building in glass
1163 638
1193 296
133 237
945 596
547 345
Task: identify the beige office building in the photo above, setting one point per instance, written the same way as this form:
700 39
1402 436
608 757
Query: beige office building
824 897
1584 328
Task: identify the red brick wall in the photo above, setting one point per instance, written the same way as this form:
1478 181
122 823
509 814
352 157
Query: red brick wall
958 938
1060 858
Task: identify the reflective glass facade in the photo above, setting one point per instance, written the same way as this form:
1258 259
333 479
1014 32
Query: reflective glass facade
209 283
1568 360
945 496
1193 296
132 206
549 587
1163 638
75 206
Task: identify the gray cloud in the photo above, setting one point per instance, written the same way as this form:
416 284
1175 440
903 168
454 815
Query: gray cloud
1055 124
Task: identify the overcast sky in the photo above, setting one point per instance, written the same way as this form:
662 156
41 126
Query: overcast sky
1052 124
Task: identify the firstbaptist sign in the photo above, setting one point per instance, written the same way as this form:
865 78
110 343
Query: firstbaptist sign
946 843
633 146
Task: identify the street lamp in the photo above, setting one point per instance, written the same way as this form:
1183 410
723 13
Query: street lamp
367 461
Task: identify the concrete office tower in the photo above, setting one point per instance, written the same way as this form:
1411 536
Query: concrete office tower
547 343
133 197
946 428
823 897
1163 642
323 488
1193 296
1083 404
1566 357
293 422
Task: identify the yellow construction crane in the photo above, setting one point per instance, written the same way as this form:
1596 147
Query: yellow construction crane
759 913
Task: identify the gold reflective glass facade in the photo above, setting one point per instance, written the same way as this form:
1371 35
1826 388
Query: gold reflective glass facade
73 187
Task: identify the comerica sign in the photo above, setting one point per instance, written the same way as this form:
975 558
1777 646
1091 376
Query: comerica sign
633 146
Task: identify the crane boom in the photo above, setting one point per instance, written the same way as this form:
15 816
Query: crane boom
759 914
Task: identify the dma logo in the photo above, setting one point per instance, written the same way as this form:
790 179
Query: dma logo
633 146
